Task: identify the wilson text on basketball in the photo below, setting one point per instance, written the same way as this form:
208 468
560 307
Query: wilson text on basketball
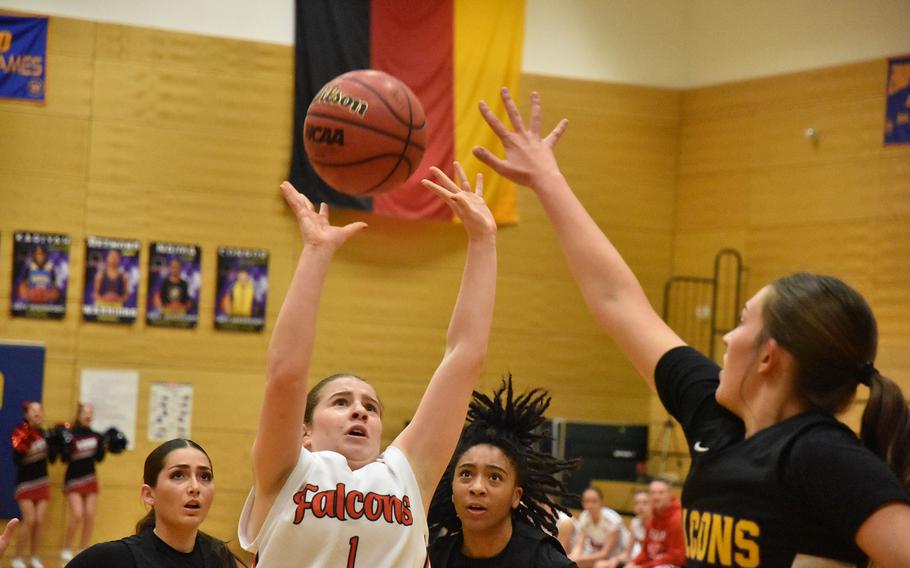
335 96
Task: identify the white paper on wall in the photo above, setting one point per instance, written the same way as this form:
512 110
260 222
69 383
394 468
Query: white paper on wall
115 394
170 411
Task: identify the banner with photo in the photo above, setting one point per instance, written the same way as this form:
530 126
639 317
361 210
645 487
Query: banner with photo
174 282
897 109
23 58
242 289
40 274
111 280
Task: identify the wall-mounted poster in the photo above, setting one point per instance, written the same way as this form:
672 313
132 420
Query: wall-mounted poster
111 280
897 110
170 411
243 285
23 57
174 282
40 273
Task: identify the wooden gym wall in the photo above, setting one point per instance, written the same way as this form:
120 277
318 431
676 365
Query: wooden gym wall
159 135
750 179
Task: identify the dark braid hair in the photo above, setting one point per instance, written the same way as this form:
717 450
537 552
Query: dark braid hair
508 423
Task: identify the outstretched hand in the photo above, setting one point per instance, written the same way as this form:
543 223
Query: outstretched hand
314 226
467 203
528 156
7 535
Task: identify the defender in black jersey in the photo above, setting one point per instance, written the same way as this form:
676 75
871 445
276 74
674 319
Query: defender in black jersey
775 480
178 486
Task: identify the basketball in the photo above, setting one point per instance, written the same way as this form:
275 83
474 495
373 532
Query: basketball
365 132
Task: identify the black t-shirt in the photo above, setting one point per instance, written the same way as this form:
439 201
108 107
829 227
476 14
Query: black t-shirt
143 551
529 547
800 487
174 292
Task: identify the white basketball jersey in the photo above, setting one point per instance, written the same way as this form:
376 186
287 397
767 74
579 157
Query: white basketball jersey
329 516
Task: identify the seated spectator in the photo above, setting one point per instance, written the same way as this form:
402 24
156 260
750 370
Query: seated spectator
663 545
601 533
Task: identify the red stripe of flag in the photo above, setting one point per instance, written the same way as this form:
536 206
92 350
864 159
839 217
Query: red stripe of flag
414 41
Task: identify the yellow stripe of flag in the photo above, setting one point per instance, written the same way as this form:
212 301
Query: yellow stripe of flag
489 37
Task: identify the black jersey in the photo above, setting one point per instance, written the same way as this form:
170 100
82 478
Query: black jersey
146 550
799 488
529 547
86 448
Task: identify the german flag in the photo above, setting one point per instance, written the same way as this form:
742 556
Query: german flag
451 53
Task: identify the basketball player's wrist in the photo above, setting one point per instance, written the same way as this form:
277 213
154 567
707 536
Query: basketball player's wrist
485 238
548 180
318 251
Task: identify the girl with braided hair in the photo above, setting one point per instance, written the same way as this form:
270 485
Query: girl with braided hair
497 499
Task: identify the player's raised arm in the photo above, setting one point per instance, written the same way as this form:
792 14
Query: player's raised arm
611 290
278 439
430 438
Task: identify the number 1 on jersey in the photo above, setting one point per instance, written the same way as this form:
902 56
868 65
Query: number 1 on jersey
352 553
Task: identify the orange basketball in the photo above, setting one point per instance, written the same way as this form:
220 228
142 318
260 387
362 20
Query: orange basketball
365 132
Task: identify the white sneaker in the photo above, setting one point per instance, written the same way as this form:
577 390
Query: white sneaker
18 562
66 555
35 562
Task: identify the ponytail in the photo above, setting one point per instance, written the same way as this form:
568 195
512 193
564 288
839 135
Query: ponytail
146 522
886 425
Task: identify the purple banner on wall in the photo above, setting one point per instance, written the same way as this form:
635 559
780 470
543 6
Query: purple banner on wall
897 109
111 280
243 286
40 274
23 58
174 282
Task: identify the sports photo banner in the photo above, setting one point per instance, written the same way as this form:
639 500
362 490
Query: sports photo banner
897 113
243 286
40 274
23 58
111 280
450 53
174 282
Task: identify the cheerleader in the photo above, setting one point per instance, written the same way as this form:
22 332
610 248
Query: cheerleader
30 454
84 447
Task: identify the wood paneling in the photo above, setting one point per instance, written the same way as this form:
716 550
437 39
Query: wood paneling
749 178
163 136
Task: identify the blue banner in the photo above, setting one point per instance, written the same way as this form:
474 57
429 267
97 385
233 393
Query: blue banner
897 113
23 58
21 379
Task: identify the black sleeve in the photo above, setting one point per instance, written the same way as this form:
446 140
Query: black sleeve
840 479
114 554
686 382
685 379
548 556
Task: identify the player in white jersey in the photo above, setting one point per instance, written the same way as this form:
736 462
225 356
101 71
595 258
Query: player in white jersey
334 499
